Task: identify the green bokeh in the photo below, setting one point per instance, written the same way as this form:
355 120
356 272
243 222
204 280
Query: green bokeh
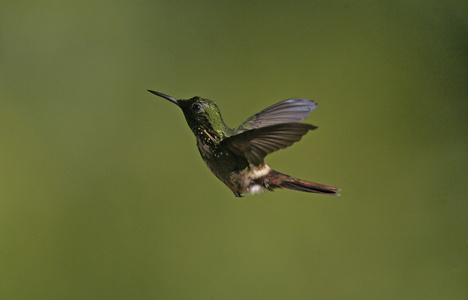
103 194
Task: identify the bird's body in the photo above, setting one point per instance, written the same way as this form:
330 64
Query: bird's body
236 156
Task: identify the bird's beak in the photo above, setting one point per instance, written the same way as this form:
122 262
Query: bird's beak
172 99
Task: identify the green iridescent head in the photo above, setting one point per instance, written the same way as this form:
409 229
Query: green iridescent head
201 114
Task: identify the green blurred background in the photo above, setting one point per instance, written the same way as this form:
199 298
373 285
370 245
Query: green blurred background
103 194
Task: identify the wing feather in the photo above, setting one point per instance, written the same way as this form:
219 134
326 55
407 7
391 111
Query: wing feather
255 144
288 111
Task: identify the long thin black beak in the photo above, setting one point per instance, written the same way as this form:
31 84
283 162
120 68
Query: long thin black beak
172 99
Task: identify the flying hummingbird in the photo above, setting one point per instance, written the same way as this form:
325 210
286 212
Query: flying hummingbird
236 156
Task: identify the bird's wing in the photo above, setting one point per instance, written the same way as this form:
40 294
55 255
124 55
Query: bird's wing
288 111
255 144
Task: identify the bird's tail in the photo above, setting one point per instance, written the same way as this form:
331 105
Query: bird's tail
277 179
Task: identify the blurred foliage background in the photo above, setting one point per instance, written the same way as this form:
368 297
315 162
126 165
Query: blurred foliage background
103 194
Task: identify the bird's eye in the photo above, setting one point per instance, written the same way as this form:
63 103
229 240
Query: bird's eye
197 107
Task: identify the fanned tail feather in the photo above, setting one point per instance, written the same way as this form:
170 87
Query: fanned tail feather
280 180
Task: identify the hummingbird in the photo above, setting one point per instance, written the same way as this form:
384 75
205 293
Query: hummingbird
236 156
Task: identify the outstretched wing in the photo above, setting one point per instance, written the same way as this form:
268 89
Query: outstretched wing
288 111
255 144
